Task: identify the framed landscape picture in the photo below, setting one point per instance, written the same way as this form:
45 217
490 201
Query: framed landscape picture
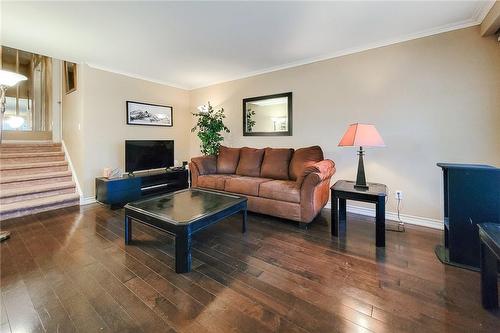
149 114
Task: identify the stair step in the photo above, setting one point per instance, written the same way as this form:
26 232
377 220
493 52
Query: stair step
33 206
38 191
30 144
25 147
30 157
29 150
7 183
24 178
32 168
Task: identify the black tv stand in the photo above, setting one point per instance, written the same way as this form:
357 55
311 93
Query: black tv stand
119 191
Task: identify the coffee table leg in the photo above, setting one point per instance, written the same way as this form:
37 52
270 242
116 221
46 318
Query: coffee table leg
489 288
244 223
380 222
128 230
183 253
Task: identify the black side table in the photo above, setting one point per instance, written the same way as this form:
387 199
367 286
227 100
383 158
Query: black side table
344 190
489 235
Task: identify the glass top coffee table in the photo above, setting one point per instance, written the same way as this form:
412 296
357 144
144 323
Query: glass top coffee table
183 213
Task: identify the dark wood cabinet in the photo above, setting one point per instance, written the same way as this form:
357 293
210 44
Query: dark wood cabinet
471 196
119 191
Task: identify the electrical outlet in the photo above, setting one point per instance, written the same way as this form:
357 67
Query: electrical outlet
398 195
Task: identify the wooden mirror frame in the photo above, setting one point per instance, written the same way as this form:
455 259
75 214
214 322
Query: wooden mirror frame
288 95
67 88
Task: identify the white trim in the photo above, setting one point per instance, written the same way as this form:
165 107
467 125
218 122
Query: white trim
446 28
476 19
482 11
410 219
73 172
87 201
138 76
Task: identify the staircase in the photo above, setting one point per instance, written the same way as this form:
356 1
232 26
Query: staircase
34 177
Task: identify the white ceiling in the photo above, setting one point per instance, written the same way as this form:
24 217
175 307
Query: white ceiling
194 44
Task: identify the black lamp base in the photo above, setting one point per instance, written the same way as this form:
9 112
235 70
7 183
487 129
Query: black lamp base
360 178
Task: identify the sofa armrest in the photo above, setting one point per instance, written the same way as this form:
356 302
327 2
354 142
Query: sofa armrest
315 189
206 165
319 171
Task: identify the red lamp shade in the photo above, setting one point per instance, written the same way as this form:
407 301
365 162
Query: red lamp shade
361 135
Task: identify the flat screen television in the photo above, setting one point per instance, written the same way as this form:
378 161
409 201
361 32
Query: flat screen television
148 154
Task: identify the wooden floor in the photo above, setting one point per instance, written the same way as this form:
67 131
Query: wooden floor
69 270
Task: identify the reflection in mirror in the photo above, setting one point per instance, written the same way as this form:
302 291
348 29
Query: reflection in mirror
267 115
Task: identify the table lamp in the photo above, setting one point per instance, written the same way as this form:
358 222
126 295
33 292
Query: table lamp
361 135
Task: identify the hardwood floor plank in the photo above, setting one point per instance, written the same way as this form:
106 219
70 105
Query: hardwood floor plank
169 289
180 280
20 311
70 270
226 269
63 311
143 315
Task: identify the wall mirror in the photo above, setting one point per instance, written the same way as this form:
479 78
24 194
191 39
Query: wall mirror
268 115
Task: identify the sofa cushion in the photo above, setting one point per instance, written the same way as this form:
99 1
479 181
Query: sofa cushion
282 190
276 162
250 162
227 161
216 182
245 185
303 158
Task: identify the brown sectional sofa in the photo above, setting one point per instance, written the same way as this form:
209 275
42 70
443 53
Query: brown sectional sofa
280 182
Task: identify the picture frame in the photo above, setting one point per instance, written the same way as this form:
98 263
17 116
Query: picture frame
260 116
70 77
146 114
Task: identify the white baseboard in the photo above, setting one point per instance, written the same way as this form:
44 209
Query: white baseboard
73 171
87 201
366 211
410 219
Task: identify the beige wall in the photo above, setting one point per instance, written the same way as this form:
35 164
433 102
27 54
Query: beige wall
104 127
95 126
72 124
434 99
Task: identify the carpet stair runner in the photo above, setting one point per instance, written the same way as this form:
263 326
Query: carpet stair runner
34 177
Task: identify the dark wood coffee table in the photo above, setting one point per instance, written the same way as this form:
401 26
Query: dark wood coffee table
344 190
182 214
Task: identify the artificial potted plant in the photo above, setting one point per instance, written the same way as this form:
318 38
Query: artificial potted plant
210 126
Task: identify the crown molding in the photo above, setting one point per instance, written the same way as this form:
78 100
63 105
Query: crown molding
482 10
478 16
435 31
138 76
